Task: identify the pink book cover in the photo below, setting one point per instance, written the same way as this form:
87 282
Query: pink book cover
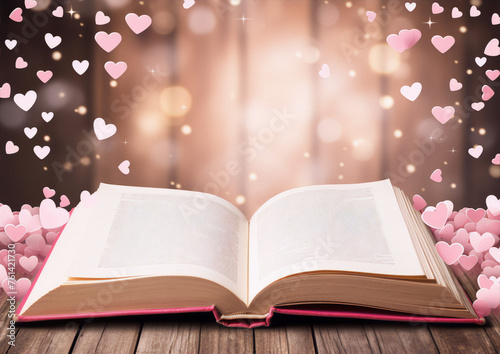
297 310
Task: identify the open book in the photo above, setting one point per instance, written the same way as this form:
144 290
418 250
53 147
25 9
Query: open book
147 250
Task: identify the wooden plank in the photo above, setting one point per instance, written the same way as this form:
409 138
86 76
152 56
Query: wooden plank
215 338
4 323
461 339
300 339
112 336
272 340
169 337
344 338
403 338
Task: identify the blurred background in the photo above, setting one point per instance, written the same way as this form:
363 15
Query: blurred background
226 97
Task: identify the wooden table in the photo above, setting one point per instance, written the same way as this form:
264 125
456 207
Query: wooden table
193 333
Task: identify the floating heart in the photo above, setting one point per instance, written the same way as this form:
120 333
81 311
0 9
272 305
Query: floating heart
51 237
477 106
410 6
187 4
21 63
41 152
80 66
487 93
418 202
496 160
436 218
460 220
108 42
10 148
491 296
15 232
495 19
449 253
446 233
25 102
462 237
124 167
115 70
36 242
101 18
31 221
474 12
47 116
493 204
103 130
58 12
484 282
325 71
443 115
29 4
52 41
456 13
51 216
16 15
404 40
412 93
44 76
443 44
5 90
482 308
480 61
138 24
371 16
455 85
492 74
63 201
10 44
28 263
492 271
495 253
482 242
475 215
30 132
492 49
467 262
475 152
436 8
436 176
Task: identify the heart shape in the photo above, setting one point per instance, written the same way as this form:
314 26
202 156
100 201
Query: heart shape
28 263
462 237
460 220
443 44
36 242
29 4
5 90
404 40
456 13
48 192
496 160
484 282
58 12
102 130
467 262
436 176
10 44
138 24
443 115
475 215
495 253
187 4
88 199
493 204
495 19
51 216
474 12
31 221
491 296
15 232
482 242
492 271
124 167
449 253
41 152
16 15
80 66
30 132
418 202
410 6
21 63
446 233
476 151
492 74
52 41
370 15
325 71
101 18
492 48
487 92
436 217
480 61
44 76
482 308
10 148
455 85
115 70
411 92
47 116
26 101
477 106
436 8
108 42
6 216
63 201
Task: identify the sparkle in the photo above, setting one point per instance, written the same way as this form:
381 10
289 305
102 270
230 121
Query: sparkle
243 19
126 142
72 12
430 23
453 151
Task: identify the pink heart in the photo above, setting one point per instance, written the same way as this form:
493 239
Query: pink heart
492 271
460 220
436 8
115 70
477 106
449 253
462 237
495 19
28 263
29 4
5 90
467 262
88 199
493 204
418 202
101 18
436 218
470 227
484 282
36 242
492 74
124 167
48 193
4 239
371 16
482 308
51 237
443 114
475 215
492 48
108 42
446 233
456 13
10 148
64 201
32 222
476 151
491 296
496 160
6 216
455 85
443 44
58 12
44 76
51 216
20 287
482 242
487 93
474 12
436 176
138 24
495 253
411 92
17 15
21 63
404 40
15 232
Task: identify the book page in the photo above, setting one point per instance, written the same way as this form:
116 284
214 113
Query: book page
356 228
147 231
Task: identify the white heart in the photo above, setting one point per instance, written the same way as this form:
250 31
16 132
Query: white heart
187 4
58 12
493 204
480 61
41 152
103 130
25 102
476 151
10 44
325 71
124 167
412 92
52 41
410 6
30 132
101 18
80 66
47 116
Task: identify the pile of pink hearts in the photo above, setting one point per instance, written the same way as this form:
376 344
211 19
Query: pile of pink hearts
469 239
26 238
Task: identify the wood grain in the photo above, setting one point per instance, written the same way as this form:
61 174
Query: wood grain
215 338
344 338
168 337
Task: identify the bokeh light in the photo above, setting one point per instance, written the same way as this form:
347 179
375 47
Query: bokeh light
329 130
383 59
163 22
386 102
175 101
201 19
